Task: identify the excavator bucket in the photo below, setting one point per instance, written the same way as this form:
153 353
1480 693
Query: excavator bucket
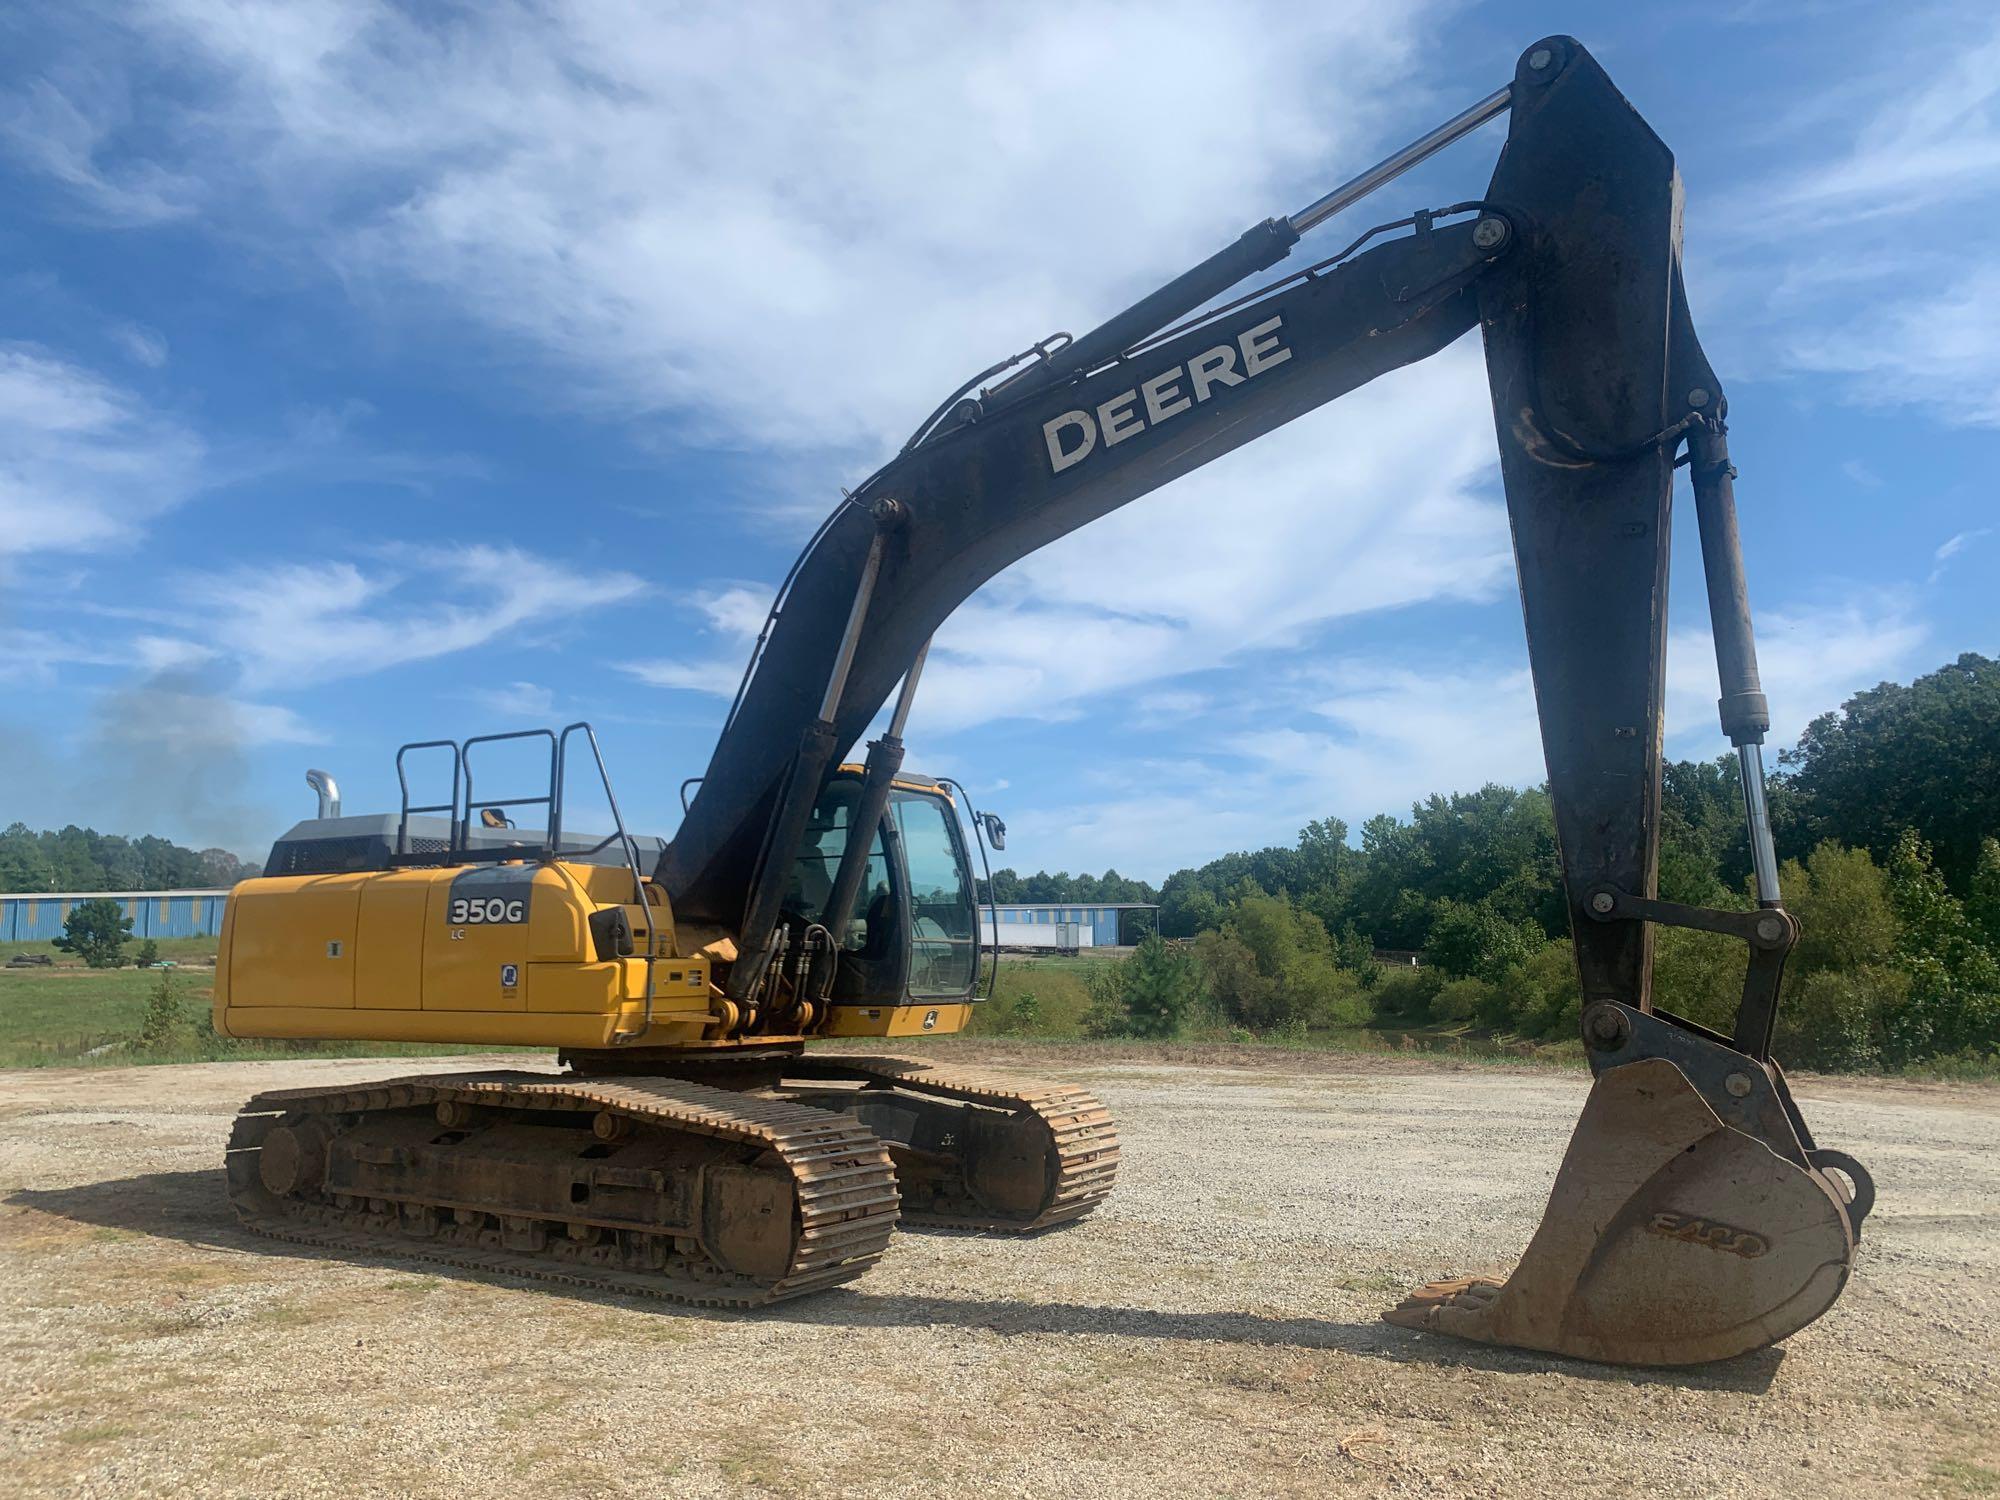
1673 1236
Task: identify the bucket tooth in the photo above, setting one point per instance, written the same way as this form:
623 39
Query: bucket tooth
1670 1238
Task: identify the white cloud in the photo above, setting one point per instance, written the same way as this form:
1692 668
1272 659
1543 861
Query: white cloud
1952 546
795 226
83 463
33 655
1933 136
1395 734
1360 735
734 616
1899 318
736 612
1191 816
520 700
716 678
162 653
1370 504
1939 349
1810 659
63 130
315 622
142 345
1956 544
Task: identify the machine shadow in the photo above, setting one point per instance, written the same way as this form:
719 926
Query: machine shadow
189 1207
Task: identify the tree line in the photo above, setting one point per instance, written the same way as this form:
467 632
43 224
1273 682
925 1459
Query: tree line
1886 816
82 859
1011 889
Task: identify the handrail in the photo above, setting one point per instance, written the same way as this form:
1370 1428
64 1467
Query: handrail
450 809
624 838
549 801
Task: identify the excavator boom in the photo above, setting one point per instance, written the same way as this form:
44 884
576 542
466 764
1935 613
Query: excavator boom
1694 1217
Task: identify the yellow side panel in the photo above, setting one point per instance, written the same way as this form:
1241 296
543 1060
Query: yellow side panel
467 966
559 916
896 1020
393 912
292 941
680 986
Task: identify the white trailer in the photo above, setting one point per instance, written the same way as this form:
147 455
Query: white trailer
1036 937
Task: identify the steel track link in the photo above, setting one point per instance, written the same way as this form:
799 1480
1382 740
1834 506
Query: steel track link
1083 1138
844 1183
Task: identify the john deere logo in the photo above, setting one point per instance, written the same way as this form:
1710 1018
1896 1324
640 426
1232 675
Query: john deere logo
510 976
930 1019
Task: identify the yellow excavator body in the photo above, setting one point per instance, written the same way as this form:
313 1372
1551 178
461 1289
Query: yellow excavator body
374 957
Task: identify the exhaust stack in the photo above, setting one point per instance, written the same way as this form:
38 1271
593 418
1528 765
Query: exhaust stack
329 792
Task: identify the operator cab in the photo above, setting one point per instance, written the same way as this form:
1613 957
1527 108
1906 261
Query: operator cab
915 934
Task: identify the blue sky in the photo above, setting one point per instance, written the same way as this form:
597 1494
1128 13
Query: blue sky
373 372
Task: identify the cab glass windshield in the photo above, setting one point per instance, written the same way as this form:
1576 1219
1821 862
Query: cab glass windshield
944 953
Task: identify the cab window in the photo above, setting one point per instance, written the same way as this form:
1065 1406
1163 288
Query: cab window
944 951
819 863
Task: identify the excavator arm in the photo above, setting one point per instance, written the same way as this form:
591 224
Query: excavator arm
1694 1217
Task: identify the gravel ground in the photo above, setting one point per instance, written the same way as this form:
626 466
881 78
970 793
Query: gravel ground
1212 1331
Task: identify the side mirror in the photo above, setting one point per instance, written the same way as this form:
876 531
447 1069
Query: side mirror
996 831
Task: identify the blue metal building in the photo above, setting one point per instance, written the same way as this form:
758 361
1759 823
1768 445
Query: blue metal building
1109 923
37 916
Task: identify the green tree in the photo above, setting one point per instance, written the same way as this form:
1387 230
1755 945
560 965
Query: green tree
1847 916
1473 941
1544 999
1704 848
23 865
1983 904
1923 757
1027 1018
1160 986
1953 1001
1842 978
1699 975
165 1026
1106 1015
1353 952
95 931
1229 974
1292 979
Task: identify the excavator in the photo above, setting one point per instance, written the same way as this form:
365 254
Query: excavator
690 1145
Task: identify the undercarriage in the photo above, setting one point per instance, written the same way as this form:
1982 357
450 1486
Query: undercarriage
789 1180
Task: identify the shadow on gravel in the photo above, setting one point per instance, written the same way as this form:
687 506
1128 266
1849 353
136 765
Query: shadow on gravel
190 1207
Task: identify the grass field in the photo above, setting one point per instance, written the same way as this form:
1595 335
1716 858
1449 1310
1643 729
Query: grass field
70 1016
181 950
1045 999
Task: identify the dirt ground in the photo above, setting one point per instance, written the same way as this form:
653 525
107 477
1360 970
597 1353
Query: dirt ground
1212 1331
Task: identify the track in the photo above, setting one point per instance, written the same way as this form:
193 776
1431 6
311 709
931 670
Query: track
1051 1152
843 1187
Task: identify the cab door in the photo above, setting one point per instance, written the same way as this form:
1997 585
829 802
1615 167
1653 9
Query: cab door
943 913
